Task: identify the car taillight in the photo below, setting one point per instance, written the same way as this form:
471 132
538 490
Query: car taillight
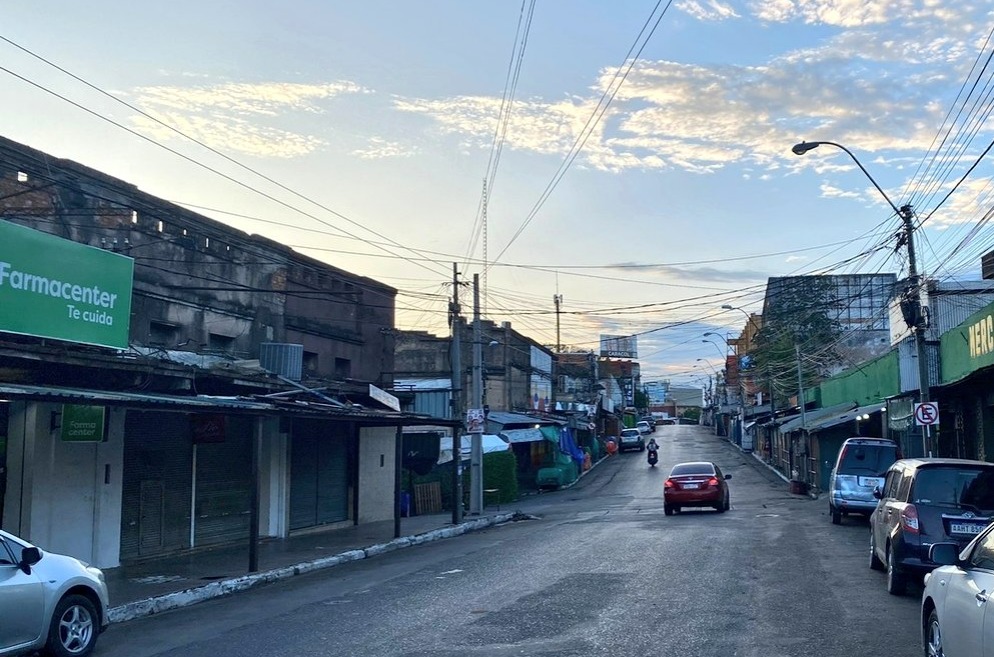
909 519
713 481
669 484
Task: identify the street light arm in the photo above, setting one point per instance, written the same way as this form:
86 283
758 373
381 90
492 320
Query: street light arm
805 146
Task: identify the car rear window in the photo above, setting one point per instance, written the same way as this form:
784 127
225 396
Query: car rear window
630 432
871 459
692 469
968 487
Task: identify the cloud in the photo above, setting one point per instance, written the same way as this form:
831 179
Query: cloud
840 13
873 81
381 148
240 117
712 10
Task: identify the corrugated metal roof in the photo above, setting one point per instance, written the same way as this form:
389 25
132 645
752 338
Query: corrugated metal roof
847 416
503 417
422 384
206 403
794 424
522 435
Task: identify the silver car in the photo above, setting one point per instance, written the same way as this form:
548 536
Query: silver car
48 601
956 614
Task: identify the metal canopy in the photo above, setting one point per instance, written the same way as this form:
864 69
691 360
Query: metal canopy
259 406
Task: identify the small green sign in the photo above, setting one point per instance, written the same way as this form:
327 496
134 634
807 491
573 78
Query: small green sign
82 424
56 288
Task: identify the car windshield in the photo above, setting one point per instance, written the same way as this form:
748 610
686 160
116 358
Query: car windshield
869 459
955 486
692 469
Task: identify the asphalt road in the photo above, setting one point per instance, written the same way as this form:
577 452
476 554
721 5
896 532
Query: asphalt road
601 571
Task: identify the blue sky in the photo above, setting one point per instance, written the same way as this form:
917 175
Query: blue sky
380 117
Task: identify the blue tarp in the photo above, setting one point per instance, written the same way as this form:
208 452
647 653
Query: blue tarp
567 445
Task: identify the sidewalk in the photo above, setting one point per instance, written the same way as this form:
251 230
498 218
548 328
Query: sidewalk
165 583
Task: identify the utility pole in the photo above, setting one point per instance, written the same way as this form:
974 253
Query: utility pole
454 320
558 299
918 321
476 449
800 401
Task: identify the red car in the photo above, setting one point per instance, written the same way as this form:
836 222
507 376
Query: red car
697 483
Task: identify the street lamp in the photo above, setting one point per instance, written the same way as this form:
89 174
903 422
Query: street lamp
720 352
913 315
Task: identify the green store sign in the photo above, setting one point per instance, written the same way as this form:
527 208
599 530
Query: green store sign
968 347
56 288
82 424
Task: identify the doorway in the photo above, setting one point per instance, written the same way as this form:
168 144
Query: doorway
4 422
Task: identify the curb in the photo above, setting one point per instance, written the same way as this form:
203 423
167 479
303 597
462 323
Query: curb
222 588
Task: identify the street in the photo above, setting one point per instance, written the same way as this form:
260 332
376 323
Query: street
599 571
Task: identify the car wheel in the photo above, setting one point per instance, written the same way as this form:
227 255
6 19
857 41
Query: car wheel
728 503
667 509
933 637
74 628
896 583
836 515
875 562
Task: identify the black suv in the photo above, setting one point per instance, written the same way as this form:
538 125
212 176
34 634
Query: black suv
926 501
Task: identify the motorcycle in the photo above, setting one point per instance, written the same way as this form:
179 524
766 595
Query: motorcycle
653 458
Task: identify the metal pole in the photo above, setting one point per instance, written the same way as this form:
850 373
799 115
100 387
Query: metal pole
907 216
398 464
254 509
558 299
456 399
476 450
800 400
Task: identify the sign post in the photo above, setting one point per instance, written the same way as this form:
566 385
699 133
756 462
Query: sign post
927 416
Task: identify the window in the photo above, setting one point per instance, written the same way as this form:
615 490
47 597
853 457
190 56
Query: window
972 488
891 483
310 362
983 554
343 368
6 556
162 334
220 344
693 469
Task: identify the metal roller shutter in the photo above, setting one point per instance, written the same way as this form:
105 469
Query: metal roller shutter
156 483
224 486
319 483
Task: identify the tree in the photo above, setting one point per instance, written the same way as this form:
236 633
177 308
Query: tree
798 326
641 400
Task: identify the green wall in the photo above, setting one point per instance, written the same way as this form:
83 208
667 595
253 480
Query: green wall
868 383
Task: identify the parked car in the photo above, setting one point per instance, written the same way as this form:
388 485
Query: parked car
955 600
631 439
644 427
859 468
48 601
927 501
697 483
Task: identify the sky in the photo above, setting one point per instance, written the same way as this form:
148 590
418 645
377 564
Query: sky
637 154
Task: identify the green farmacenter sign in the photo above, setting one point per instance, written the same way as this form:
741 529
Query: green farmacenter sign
82 424
56 288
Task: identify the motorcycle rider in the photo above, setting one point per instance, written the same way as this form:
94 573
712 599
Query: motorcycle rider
653 449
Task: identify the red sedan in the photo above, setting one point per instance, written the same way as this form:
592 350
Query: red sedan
698 483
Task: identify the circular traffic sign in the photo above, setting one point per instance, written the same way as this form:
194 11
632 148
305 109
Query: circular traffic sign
926 414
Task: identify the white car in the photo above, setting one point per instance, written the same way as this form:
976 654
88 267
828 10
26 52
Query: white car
644 427
48 601
957 618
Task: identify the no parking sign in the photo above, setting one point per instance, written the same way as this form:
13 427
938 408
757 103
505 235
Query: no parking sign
927 414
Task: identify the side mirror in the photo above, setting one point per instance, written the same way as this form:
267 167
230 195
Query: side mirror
728 476
876 493
29 557
944 554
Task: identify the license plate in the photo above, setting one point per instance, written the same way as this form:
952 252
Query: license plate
690 486
965 528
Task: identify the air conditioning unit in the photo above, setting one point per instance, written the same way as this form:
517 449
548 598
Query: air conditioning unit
286 360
